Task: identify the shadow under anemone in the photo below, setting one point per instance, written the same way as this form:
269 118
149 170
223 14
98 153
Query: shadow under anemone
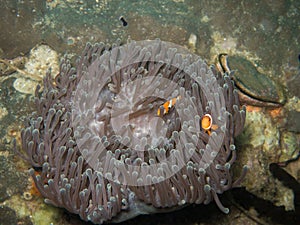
122 134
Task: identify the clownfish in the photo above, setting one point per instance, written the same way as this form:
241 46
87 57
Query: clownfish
207 124
167 106
206 120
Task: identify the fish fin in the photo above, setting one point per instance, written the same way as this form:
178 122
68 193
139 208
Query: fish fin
214 127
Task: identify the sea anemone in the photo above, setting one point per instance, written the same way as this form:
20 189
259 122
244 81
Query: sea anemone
103 150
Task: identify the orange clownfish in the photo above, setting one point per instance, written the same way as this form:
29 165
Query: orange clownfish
206 120
168 105
207 124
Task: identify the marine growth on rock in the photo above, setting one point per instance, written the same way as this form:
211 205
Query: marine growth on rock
103 151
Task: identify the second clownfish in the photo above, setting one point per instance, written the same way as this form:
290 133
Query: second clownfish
167 106
206 120
207 124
